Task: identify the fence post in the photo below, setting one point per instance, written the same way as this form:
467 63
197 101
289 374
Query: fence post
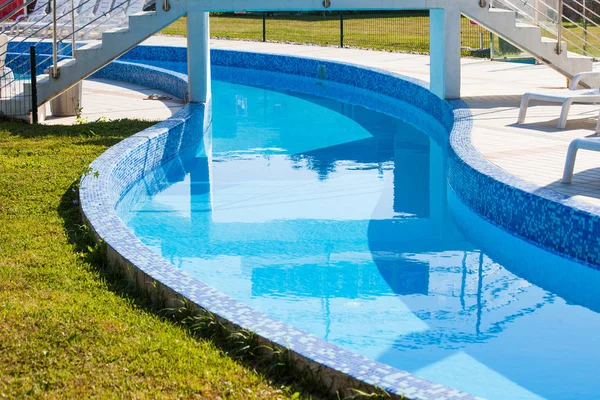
342 29
34 106
264 26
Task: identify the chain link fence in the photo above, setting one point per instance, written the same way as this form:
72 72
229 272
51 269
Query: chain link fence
406 31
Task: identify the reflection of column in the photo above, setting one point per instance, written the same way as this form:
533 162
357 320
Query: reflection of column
479 293
198 166
411 171
437 181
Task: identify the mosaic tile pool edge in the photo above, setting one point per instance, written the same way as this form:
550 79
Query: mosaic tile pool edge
567 227
125 162
555 222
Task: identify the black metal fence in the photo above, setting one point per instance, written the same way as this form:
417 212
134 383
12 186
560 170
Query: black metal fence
25 62
406 31
18 86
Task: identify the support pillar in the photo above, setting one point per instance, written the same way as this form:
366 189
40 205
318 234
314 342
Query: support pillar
444 48
198 52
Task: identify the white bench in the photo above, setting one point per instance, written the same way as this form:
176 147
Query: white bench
586 144
564 96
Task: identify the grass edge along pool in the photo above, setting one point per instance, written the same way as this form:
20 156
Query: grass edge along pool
393 380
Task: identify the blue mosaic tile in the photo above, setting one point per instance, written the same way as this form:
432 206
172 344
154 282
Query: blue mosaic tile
538 215
557 223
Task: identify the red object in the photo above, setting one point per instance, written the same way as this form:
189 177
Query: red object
11 7
472 22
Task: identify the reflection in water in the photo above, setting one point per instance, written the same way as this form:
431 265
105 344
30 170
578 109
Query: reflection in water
335 219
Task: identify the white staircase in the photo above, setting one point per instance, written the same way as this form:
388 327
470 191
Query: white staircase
527 37
91 57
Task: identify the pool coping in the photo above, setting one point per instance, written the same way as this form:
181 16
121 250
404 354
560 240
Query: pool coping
337 368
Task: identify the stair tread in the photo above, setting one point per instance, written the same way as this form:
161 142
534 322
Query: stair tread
500 11
570 54
90 46
116 30
549 40
525 25
142 14
67 62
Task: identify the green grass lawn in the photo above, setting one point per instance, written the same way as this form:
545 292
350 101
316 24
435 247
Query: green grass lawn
375 31
68 328
372 31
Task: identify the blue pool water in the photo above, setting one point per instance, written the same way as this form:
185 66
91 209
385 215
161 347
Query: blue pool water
338 220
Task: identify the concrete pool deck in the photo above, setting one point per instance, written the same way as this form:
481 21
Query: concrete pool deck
103 98
534 151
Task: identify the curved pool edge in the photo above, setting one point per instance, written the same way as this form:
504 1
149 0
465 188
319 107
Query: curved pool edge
494 194
114 172
555 222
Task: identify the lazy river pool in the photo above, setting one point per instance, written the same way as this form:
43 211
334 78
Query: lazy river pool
338 220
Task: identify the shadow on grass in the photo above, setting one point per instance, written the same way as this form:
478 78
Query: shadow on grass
81 238
109 131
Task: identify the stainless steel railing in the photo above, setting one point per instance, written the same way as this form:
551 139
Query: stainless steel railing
575 22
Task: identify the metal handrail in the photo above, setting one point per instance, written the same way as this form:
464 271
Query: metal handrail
550 17
586 33
54 56
559 27
58 31
15 11
34 33
54 42
582 15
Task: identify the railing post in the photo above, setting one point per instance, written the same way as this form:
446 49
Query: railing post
264 26
54 42
34 106
559 17
73 28
585 27
342 29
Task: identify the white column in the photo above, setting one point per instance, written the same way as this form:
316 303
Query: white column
198 52
444 67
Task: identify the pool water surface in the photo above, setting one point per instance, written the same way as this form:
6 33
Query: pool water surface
338 220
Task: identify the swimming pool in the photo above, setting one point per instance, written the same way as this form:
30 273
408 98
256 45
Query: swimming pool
338 220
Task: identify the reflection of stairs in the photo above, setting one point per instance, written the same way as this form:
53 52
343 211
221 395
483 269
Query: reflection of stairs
114 43
527 37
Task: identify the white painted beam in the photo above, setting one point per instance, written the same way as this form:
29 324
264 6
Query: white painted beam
312 5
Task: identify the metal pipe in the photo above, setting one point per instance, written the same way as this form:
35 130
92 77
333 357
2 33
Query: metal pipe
584 28
342 29
34 106
558 27
54 42
264 26
73 28
15 11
